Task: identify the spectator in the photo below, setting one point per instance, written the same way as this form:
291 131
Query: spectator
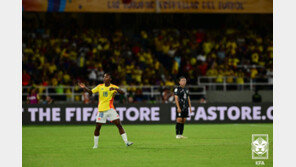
203 68
240 79
60 92
269 74
230 75
220 76
130 99
139 96
60 89
69 94
85 97
169 82
26 78
92 76
167 96
254 73
47 100
138 74
256 98
33 97
100 74
202 100
201 57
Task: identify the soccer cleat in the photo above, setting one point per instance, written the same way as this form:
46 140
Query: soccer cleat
183 137
129 143
95 147
178 137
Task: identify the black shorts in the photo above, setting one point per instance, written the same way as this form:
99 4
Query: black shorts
183 114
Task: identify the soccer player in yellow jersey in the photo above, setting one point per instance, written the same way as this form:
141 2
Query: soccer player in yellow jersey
106 108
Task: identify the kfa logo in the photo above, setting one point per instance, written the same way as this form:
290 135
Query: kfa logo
260 146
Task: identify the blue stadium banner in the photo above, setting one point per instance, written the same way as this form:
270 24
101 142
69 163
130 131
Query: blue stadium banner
77 114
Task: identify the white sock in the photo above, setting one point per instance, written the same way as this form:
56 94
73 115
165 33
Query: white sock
124 137
96 140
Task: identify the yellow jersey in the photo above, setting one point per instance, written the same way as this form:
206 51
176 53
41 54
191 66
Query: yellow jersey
106 97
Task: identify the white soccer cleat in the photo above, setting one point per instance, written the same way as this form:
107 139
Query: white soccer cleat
129 143
178 137
183 137
95 147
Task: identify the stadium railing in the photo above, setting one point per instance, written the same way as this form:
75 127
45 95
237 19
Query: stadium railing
148 90
249 83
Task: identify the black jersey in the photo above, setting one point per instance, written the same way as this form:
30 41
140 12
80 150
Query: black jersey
183 94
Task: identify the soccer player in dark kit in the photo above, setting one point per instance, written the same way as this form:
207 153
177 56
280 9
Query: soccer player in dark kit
182 103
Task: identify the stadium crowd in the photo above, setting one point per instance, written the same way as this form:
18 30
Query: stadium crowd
60 57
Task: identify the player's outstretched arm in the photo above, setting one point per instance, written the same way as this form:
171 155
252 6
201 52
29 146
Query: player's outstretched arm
117 89
82 85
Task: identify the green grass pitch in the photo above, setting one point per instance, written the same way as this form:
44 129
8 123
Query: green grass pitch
154 145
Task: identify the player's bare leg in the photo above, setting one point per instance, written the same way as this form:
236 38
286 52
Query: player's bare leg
97 134
122 132
178 127
182 128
